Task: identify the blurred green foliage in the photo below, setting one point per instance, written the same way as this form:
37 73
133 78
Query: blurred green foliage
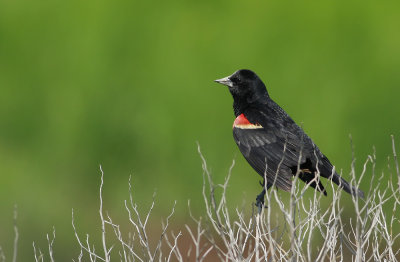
129 85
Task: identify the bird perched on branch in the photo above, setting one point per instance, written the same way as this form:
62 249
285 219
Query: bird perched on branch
273 144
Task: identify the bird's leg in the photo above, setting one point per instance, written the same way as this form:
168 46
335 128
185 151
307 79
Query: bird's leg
260 197
260 200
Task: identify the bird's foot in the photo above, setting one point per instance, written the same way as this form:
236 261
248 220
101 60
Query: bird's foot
260 201
260 206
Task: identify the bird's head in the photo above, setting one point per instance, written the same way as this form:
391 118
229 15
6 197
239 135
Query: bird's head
245 85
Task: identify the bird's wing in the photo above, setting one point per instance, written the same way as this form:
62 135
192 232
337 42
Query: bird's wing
268 154
274 146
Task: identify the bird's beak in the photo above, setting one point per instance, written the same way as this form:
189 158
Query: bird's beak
226 81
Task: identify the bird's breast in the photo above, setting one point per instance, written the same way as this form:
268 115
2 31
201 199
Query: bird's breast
243 123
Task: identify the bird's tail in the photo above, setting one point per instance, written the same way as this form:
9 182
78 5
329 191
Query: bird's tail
346 186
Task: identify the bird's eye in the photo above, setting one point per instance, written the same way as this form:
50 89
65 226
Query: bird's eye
235 80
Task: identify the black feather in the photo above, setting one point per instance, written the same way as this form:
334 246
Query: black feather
278 146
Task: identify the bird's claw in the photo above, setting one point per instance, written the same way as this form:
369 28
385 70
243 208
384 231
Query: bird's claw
260 202
260 206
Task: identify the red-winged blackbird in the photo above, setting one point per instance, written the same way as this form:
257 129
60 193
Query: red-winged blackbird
273 144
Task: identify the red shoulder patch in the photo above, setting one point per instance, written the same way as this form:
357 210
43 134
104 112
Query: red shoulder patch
242 122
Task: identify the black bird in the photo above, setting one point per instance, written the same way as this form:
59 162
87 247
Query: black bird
273 144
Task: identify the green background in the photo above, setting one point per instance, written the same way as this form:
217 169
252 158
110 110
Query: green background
129 85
